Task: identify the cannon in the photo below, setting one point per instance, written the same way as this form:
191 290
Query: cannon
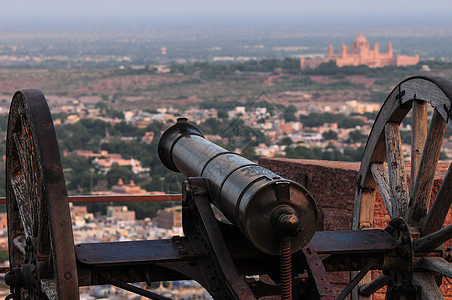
268 246
265 206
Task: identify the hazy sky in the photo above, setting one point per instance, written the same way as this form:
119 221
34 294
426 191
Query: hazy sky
113 8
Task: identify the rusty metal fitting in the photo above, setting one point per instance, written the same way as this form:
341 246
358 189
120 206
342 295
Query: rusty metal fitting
285 221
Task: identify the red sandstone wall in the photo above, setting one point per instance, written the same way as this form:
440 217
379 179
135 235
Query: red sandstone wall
332 184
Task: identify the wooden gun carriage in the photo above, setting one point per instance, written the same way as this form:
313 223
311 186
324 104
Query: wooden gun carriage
270 246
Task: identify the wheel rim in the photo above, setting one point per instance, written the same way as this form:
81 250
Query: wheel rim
415 94
39 224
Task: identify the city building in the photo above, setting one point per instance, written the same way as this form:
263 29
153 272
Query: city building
169 217
124 189
354 106
120 213
104 165
80 215
361 54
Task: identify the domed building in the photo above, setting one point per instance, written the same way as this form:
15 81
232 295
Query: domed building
361 54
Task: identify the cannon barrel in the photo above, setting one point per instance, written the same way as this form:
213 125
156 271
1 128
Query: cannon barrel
262 204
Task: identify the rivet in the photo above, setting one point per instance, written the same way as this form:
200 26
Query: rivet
67 275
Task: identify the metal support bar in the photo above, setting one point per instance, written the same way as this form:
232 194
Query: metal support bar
223 279
374 285
317 273
133 289
355 281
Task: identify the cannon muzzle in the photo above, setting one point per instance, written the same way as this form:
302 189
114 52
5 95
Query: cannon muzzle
262 204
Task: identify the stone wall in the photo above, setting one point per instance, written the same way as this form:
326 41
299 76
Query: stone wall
332 184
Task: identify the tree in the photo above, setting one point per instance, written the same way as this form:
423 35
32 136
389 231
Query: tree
102 106
77 172
330 135
286 141
3 255
317 119
249 153
356 136
289 113
119 172
125 129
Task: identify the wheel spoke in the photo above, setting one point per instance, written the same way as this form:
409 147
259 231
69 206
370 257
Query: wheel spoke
396 168
381 179
20 190
424 180
418 136
438 265
374 285
440 207
426 285
366 210
433 240
48 287
22 182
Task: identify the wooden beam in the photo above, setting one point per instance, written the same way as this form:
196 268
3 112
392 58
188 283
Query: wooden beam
418 136
440 207
381 179
396 169
438 265
366 210
426 285
424 181
433 240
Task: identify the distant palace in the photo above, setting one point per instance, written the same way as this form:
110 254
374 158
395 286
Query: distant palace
361 54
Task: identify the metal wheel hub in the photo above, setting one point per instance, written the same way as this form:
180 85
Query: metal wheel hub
399 263
25 276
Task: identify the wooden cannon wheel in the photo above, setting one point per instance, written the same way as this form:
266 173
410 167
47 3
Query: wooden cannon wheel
41 245
416 226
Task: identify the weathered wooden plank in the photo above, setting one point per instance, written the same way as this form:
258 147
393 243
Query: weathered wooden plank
381 178
438 265
440 207
424 181
425 283
374 285
433 240
20 190
418 136
396 169
366 210
48 286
